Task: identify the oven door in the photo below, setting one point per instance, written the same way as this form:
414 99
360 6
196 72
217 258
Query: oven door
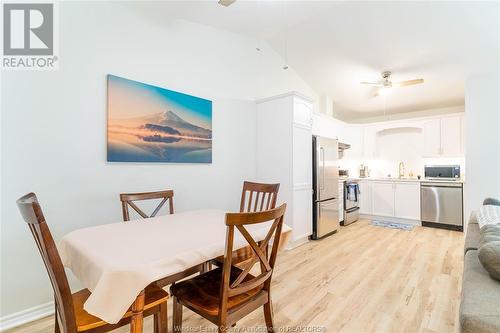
351 196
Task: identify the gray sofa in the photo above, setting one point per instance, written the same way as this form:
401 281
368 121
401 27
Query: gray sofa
480 303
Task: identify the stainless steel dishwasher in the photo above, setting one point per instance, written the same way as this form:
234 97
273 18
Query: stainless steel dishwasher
441 204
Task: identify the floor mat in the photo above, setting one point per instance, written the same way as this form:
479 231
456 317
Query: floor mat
392 225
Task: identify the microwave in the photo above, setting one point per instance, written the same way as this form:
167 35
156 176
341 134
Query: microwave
451 172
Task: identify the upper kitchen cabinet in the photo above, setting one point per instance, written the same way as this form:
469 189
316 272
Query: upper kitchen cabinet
443 137
354 136
329 127
370 142
451 136
284 155
302 112
432 137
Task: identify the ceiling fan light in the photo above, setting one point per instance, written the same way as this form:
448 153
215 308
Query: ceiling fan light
384 91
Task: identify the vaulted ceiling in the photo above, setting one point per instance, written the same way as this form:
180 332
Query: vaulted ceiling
333 45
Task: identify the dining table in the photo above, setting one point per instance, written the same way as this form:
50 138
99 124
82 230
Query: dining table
117 261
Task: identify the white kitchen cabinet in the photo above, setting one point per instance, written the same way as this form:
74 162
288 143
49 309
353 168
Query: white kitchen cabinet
432 137
302 156
370 142
365 198
407 200
451 136
383 198
284 144
354 137
329 127
301 221
443 137
396 198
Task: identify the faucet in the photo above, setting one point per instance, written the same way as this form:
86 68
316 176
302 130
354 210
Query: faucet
401 170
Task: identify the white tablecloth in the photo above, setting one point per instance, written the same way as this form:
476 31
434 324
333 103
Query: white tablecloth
116 261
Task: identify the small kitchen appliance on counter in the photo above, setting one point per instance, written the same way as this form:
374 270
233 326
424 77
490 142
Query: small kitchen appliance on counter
441 197
344 173
363 171
442 172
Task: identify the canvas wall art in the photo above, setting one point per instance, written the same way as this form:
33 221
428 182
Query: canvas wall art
151 124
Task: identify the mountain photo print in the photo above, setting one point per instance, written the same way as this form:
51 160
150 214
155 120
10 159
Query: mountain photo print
151 124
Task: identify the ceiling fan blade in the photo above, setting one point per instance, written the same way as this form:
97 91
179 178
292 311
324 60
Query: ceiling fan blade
407 83
375 84
226 3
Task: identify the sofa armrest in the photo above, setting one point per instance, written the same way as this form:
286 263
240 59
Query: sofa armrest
492 201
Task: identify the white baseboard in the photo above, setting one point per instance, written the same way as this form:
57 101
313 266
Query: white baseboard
298 242
26 316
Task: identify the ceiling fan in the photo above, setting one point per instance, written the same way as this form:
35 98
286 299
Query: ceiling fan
385 85
226 3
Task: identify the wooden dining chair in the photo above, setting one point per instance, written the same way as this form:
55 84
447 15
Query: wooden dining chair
70 317
226 294
128 199
260 196
255 197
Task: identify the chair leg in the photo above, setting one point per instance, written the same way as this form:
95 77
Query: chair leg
56 324
161 319
176 316
268 316
56 327
222 328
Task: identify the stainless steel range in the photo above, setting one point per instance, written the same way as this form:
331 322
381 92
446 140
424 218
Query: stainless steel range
351 202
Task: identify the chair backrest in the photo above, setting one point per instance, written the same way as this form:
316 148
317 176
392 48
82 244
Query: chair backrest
128 199
32 214
260 250
260 197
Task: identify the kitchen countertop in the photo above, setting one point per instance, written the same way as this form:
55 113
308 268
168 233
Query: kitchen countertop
403 180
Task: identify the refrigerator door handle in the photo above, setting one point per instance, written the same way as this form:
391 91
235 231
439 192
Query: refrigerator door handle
322 153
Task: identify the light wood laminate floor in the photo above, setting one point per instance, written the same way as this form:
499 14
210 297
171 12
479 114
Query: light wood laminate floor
362 279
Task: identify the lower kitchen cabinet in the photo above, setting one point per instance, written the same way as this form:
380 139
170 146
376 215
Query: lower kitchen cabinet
383 198
407 200
390 198
365 198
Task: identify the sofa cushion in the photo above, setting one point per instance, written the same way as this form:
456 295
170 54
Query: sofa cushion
480 306
472 237
491 229
489 255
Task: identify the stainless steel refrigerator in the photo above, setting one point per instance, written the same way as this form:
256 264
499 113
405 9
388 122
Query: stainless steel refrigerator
325 187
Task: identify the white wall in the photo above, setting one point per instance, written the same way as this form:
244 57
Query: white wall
482 111
54 127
